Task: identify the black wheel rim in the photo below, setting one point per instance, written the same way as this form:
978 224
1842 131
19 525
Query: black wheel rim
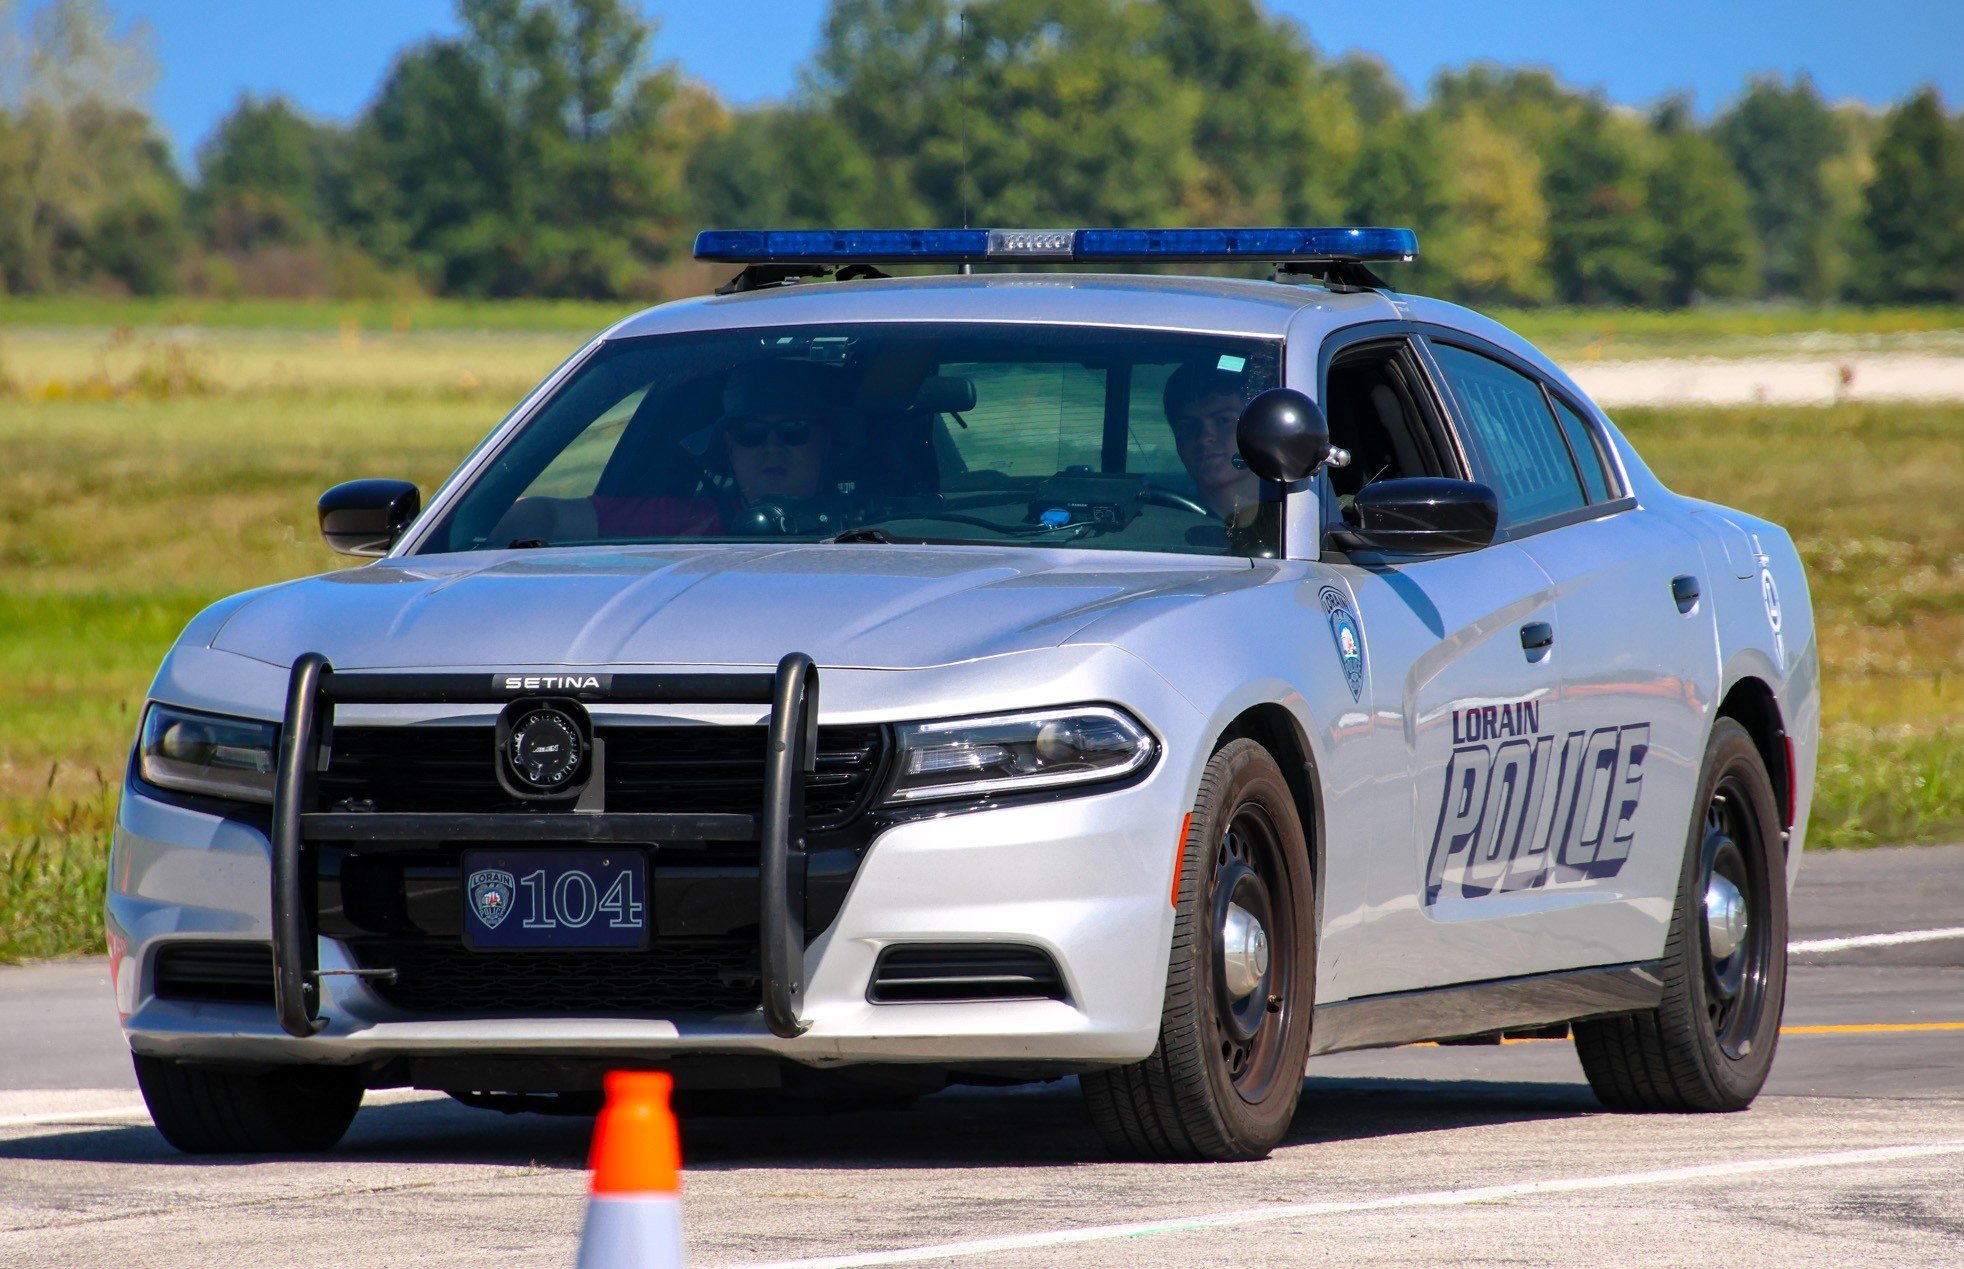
1735 982
1249 871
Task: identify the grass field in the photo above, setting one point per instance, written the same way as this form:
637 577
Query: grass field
145 471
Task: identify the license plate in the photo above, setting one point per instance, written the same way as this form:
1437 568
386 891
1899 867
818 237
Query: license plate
555 899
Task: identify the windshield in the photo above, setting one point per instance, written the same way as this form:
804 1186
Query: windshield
1041 435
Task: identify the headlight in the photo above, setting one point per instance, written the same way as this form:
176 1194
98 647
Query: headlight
1009 753
207 753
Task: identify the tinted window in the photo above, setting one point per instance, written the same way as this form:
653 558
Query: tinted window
1042 436
1582 439
1512 435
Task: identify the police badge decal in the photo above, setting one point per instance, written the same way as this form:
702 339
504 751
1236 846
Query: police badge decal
1349 639
491 895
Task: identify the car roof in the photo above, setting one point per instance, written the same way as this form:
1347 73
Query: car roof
1226 306
1222 306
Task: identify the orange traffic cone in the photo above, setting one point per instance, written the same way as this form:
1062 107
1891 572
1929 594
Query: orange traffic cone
634 1216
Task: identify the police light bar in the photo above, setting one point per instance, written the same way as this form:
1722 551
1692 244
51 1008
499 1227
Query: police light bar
1078 246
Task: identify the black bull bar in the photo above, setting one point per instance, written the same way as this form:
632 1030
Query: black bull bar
315 688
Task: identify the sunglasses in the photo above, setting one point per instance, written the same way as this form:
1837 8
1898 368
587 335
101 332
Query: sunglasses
750 433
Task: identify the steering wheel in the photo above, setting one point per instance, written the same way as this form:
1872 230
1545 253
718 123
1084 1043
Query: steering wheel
1161 496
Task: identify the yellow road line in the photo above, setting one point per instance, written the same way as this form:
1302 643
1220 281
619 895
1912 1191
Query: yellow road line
1837 1028
1865 1028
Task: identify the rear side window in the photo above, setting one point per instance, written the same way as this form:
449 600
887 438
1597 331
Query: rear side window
1513 435
1588 455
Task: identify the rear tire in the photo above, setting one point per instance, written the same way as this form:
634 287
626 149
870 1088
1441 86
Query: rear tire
1223 1082
248 1110
1709 1044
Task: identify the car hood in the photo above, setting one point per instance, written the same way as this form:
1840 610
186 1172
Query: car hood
863 606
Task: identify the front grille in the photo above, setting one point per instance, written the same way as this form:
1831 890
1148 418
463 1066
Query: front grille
228 972
721 770
677 770
914 973
672 976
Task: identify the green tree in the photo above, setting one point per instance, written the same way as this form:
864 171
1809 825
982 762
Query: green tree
1376 95
1404 177
263 173
536 153
1276 131
88 192
1779 139
1913 210
1705 233
1085 111
894 76
1529 105
795 167
1493 243
1603 244
1074 117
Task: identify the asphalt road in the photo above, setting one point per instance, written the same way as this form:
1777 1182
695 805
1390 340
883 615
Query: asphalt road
1423 1154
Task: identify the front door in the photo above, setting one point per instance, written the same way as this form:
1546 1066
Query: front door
1463 735
1465 708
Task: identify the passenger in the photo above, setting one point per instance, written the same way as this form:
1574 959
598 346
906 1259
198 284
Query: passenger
1203 405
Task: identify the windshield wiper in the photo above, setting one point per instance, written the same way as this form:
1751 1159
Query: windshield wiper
865 533
526 544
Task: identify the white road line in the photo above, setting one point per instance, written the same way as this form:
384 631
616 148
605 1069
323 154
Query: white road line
1436 1198
80 1118
1875 940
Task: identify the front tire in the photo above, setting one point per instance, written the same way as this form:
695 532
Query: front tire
1709 1044
241 1110
1223 1082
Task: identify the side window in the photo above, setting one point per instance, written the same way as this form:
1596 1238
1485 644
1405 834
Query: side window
1588 454
575 471
1516 447
1378 410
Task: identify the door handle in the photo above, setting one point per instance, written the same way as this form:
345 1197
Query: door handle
1684 591
1537 636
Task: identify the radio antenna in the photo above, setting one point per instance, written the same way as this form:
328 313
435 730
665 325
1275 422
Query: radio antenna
961 89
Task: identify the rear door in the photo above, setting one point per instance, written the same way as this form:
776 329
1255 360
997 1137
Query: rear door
1632 646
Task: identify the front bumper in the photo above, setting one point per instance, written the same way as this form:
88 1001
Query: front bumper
1084 878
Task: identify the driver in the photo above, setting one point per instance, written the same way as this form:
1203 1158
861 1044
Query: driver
1203 405
776 429
774 438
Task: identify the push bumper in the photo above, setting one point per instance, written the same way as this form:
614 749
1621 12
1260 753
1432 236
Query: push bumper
1086 879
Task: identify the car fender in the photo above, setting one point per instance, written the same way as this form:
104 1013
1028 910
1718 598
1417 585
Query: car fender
1766 632
1273 645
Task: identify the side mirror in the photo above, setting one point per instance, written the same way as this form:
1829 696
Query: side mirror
1282 436
1423 515
365 517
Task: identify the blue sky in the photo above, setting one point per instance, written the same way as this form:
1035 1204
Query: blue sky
329 55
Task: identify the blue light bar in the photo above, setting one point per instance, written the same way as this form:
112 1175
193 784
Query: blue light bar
1243 244
826 246
1009 246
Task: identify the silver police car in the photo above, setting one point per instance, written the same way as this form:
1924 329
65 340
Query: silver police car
845 685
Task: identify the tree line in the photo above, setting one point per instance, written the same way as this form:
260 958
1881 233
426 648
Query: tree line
543 150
